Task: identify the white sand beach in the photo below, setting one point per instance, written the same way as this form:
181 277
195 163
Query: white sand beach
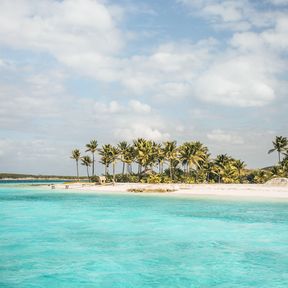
257 191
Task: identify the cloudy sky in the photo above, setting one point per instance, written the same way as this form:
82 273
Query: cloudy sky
76 70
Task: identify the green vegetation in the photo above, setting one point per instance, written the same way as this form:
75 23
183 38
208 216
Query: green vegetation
190 162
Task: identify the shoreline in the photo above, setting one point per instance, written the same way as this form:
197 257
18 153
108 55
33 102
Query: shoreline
252 191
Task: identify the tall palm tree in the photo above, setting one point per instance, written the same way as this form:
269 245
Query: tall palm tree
239 165
86 161
221 162
114 156
210 169
143 154
191 155
129 157
76 156
123 148
105 153
159 156
280 145
92 147
171 152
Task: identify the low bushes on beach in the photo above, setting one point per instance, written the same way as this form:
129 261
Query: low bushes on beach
151 190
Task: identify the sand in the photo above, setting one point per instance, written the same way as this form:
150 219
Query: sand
256 191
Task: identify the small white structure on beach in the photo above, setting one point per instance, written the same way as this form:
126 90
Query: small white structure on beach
102 180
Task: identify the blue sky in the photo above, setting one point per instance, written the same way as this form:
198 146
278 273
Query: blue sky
76 70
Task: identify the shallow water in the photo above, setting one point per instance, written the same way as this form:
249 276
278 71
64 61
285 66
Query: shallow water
56 239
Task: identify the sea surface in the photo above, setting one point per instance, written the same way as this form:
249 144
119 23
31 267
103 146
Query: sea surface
59 239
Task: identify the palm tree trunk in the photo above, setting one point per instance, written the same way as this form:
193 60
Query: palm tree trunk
88 173
93 164
105 170
113 171
171 176
279 157
77 168
123 168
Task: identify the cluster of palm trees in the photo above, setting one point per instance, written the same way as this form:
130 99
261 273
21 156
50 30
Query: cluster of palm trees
189 162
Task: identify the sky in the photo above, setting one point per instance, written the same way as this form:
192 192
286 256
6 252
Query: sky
189 70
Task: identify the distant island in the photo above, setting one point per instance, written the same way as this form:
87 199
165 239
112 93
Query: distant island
17 176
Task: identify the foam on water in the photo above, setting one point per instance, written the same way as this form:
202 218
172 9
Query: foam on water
52 239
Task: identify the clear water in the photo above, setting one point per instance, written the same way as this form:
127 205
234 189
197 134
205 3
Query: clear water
54 239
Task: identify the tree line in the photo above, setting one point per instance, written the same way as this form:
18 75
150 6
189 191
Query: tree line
147 161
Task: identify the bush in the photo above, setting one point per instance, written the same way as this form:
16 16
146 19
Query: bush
130 178
188 180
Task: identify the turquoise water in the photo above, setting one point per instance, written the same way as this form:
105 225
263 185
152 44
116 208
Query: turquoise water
51 239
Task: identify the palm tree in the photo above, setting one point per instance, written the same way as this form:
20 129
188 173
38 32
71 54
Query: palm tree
92 147
191 154
171 152
210 169
284 166
129 157
143 154
114 152
260 177
280 145
277 171
76 156
105 153
221 161
239 165
123 148
86 161
159 157
228 173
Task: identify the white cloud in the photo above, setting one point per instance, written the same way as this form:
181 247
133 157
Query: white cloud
227 10
34 96
169 71
139 107
87 39
67 29
239 81
241 15
278 36
221 136
102 108
141 130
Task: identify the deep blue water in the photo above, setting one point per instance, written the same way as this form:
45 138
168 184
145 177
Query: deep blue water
54 239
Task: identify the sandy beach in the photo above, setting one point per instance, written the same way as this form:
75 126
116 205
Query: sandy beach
257 191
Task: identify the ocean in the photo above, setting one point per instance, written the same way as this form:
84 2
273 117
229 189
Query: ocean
50 238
